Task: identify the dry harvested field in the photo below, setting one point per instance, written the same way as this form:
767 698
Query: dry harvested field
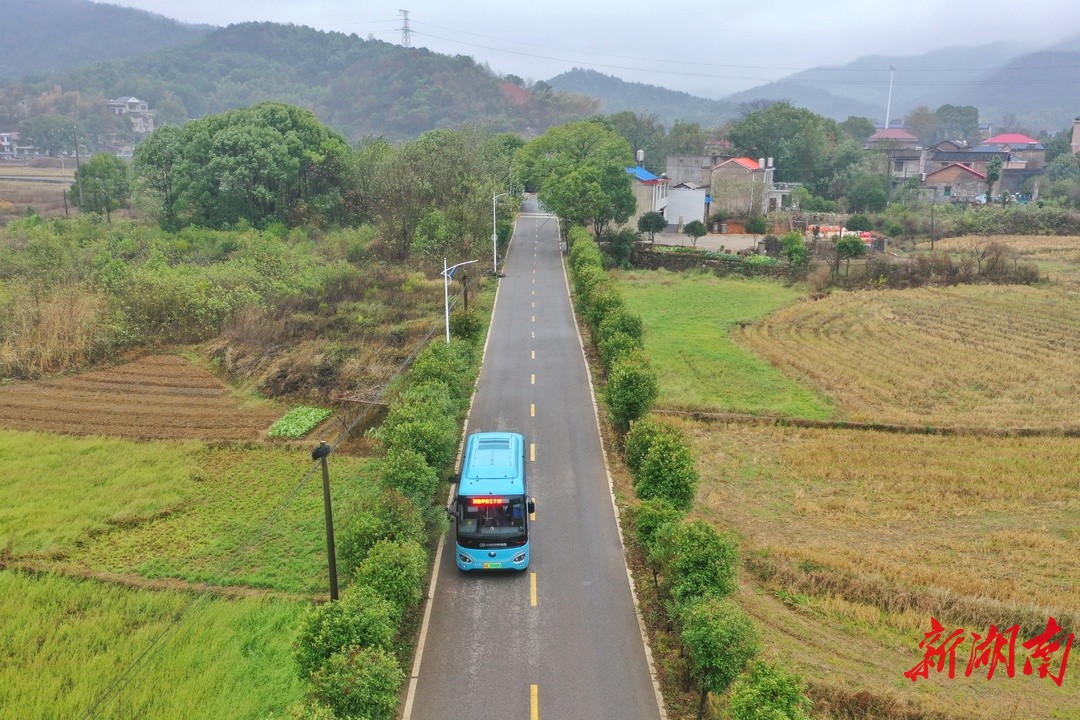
854 539
47 199
1057 256
157 397
967 356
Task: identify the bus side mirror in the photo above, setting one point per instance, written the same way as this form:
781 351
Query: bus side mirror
451 510
532 506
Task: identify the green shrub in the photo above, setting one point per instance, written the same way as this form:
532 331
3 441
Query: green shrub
393 517
309 711
361 617
622 321
449 363
468 326
359 683
396 570
649 517
615 347
604 298
668 472
697 562
720 641
632 388
424 419
640 438
768 692
408 472
859 223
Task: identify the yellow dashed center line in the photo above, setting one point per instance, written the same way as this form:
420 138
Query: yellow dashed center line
532 590
533 354
532 379
534 334
532 409
534 318
534 702
534 304
532 452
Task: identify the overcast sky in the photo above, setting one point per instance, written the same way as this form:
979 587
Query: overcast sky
709 49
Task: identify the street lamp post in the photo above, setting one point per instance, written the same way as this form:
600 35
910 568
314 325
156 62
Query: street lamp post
495 235
446 273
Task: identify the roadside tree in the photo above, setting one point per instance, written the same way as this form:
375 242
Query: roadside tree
652 223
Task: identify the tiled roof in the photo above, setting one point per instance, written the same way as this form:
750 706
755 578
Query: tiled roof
748 163
974 172
1011 139
893 134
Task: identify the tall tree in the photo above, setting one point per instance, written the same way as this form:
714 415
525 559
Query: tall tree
923 123
959 122
155 166
591 159
105 185
993 174
807 147
685 138
643 132
51 134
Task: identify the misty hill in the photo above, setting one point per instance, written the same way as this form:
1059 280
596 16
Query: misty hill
668 105
812 98
1040 91
357 86
52 34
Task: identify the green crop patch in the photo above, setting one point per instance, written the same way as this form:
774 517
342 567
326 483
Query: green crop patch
298 422
171 509
66 641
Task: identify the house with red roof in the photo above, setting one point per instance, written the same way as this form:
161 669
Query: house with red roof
892 139
1027 152
744 186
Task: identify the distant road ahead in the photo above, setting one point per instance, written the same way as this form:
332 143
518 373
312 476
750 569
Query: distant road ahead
562 640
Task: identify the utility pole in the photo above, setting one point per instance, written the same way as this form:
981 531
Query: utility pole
406 31
78 166
888 106
321 453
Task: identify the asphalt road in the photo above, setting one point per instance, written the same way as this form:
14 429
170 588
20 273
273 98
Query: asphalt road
560 641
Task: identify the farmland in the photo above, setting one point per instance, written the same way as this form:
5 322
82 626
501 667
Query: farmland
995 356
689 321
1057 256
853 539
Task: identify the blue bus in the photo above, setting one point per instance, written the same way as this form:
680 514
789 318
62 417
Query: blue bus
492 507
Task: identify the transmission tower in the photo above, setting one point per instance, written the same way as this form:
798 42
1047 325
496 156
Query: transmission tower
406 33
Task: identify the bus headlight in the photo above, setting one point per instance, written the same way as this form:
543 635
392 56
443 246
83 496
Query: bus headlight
465 559
520 557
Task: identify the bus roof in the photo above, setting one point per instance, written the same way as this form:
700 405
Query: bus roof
494 464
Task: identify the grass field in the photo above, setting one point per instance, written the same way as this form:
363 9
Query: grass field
65 641
976 355
168 509
689 319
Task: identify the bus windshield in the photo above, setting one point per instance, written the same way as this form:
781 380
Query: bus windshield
491 518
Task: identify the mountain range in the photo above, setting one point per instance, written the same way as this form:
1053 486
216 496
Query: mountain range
365 87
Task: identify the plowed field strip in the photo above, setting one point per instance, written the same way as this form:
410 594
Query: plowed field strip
157 397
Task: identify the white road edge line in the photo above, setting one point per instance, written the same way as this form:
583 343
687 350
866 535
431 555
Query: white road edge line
414 676
614 505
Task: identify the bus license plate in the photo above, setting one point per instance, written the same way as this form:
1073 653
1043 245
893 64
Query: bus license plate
492 566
